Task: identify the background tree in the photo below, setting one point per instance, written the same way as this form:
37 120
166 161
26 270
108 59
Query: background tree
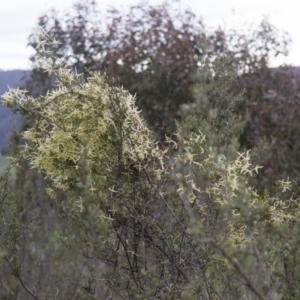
150 50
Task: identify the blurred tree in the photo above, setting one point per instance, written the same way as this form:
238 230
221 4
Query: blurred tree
270 101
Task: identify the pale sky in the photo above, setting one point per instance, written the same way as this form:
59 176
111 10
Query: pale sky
19 17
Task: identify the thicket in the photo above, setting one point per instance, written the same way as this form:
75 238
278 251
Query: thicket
153 51
132 206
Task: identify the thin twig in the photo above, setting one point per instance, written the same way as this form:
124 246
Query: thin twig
235 265
17 275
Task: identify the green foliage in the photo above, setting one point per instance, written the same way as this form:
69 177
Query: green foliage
272 103
239 225
148 222
10 234
153 51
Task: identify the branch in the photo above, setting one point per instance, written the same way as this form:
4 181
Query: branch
16 273
235 265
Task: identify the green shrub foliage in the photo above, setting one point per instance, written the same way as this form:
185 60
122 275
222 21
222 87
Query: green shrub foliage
150 50
150 222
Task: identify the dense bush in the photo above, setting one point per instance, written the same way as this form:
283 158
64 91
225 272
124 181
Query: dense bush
153 51
151 221
154 210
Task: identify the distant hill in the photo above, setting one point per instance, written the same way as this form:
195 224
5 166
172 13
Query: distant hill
9 121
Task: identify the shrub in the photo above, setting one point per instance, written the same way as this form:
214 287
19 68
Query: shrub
174 222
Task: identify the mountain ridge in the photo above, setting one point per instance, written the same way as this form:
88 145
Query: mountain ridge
8 120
